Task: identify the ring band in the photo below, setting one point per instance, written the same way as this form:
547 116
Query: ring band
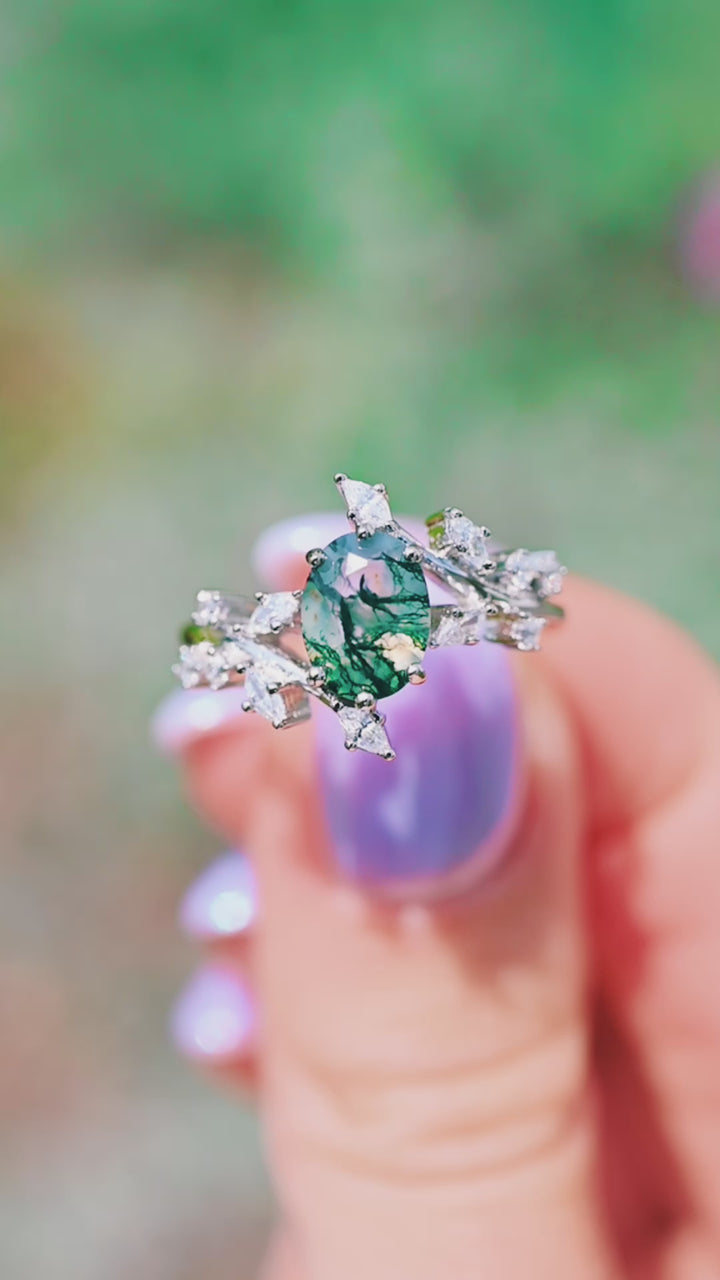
366 619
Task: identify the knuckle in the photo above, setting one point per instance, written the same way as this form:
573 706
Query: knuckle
471 1121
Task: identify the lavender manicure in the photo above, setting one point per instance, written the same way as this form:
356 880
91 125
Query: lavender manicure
222 901
453 792
188 714
214 1018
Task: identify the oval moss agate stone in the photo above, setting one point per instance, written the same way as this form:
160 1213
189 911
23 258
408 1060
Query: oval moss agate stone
365 616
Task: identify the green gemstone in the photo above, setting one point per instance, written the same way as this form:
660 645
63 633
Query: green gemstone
365 616
193 634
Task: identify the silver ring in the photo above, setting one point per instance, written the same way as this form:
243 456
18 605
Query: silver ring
366 619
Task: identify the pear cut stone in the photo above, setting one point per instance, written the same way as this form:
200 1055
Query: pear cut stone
367 505
366 616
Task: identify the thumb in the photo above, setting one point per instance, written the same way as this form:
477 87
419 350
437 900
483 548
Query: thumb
423 1049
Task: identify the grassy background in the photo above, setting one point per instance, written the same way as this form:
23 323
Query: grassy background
241 248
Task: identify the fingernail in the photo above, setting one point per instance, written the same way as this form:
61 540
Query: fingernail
445 809
279 547
287 541
186 715
222 902
214 1018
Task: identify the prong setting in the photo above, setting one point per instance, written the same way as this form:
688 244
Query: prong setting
365 701
315 557
414 553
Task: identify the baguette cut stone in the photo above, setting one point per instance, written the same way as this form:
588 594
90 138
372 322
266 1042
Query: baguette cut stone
365 616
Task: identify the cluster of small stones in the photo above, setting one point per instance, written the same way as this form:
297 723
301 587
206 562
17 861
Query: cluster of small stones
231 639
511 586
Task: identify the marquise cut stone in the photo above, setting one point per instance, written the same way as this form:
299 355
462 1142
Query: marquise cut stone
366 616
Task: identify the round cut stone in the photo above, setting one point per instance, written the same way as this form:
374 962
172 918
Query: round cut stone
366 616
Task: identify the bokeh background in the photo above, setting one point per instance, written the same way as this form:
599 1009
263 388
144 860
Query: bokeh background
471 249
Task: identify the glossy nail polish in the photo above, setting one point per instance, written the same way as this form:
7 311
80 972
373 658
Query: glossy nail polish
221 902
447 806
214 1020
187 715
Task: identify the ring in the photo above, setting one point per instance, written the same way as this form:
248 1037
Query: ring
357 632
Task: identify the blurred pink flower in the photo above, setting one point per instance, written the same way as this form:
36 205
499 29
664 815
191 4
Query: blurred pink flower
700 240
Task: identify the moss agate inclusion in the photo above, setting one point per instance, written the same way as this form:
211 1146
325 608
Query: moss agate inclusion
365 616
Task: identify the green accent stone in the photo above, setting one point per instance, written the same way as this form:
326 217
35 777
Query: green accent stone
366 616
193 634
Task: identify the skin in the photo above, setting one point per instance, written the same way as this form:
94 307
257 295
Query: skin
523 1080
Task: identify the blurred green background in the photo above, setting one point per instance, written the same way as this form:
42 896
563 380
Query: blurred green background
469 249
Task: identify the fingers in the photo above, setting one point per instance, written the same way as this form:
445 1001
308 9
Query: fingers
424 1067
221 904
215 1022
649 715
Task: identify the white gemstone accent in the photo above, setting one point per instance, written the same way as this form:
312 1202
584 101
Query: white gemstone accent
276 668
461 536
538 571
448 629
521 633
364 731
259 698
274 612
211 609
526 633
367 506
202 663
236 655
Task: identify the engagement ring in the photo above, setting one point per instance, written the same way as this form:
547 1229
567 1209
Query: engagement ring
358 630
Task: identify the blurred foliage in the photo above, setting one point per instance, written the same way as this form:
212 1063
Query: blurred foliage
555 119
508 173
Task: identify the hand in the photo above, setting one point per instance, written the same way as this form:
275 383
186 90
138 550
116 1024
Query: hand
519 1079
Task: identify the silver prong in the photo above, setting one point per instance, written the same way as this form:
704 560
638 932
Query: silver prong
340 478
350 746
414 553
298 594
316 677
491 610
273 686
417 674
488 565
365 701
380 488
248 706
455 512
315 557
261 597
485 531
456 613
389 755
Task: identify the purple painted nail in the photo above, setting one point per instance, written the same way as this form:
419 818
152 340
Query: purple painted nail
214 1018
287 539
446 807
293 537
188 714
222 902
